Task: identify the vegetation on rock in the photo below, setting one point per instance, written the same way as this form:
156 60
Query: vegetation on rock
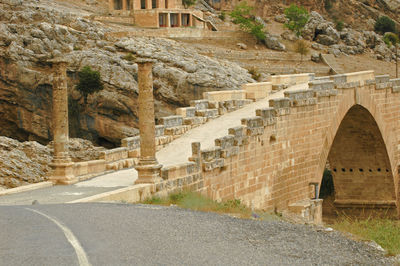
188 3
89 82
297 17
242 15
384 24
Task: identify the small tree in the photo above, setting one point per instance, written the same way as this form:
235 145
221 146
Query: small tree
384 24
188 3
242 15
392 39
89 82
297 18
301 47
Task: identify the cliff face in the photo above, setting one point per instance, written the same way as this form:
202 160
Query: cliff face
32 32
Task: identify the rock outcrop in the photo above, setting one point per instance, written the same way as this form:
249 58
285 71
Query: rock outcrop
27 162
31 34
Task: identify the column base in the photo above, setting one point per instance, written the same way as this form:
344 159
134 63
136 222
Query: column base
148 174
62 173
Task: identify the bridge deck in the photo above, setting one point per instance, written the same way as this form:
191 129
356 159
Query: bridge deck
178 151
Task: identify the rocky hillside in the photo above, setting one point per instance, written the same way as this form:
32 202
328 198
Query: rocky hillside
32 32
28 162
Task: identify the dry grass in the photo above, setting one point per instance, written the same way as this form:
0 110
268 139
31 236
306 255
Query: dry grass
385 232
197 202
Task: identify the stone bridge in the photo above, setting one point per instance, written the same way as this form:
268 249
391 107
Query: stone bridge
271 153
274 156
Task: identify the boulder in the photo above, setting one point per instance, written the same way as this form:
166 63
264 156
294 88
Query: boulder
272 42
281 18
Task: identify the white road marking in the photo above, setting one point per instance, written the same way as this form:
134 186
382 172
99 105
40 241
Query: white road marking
80 253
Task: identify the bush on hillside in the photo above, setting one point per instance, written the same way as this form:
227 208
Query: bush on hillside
384 24
242 15
390 39
297 17
89 82
301 47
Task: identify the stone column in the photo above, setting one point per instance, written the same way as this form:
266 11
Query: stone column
124 8
169 20
179 19
110 5
190 20
62 166
148 167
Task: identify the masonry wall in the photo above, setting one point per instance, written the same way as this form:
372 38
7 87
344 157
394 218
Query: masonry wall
270 161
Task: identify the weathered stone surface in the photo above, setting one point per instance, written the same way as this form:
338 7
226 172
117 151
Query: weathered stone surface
36 35
28 162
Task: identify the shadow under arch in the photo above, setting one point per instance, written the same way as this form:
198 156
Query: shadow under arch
361 169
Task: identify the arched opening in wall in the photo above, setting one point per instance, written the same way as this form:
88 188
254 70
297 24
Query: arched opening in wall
354 183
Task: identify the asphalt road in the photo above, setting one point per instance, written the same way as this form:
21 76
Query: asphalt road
123 234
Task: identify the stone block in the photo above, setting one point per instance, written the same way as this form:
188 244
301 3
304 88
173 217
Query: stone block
240 135
241 103
114 154
211 154
224 95
225 142
134 153
268 115
321 85
325 93
194 121
131 143
281 105
348 85
257 91
160 130
382 79
186 111
199 104
253 122
301 97
395 89
395 82
228 152
171 121
339 79
209 113
176 131
383 85
217 163
279 87
370 82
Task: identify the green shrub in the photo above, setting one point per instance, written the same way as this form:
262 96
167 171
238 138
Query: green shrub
129 57
188 3
89 82
222 16
297 18
384 24
339 25
254 73
328 4
390 39
242 15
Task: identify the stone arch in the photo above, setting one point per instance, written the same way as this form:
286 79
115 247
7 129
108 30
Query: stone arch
358 145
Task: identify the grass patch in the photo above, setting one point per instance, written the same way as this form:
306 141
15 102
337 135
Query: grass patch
197 202
385 232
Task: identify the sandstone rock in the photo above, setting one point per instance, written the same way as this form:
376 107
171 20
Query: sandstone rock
289 35
315 57
27 162
317 46
280 18
241 46
180 74
325 40
272 42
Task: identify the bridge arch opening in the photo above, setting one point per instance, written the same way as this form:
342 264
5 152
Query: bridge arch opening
358 180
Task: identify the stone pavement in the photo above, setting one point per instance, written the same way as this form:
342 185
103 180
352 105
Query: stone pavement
175 152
